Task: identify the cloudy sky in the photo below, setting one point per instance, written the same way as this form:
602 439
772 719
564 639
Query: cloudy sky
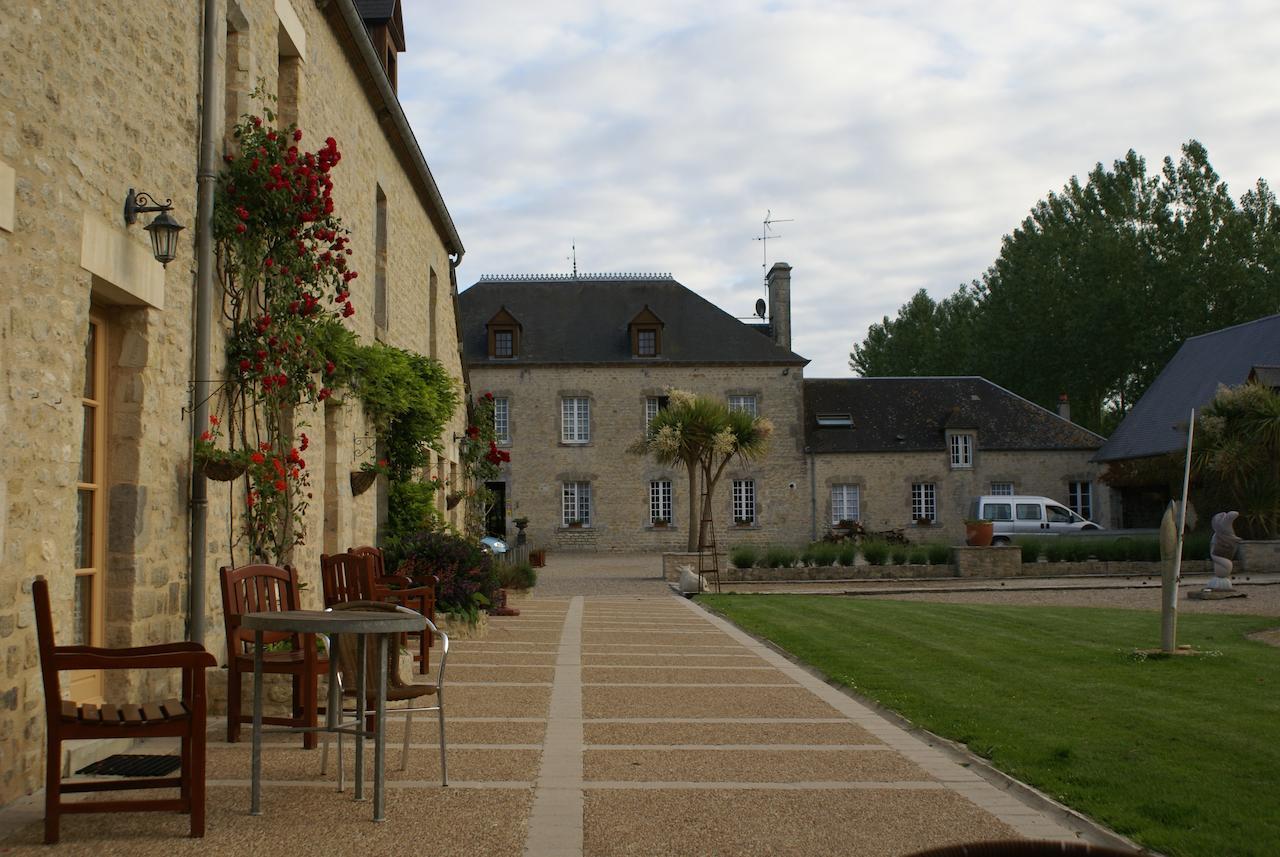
903 138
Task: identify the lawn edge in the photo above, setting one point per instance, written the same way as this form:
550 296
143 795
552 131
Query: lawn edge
1092 831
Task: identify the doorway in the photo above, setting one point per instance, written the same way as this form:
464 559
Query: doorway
495 517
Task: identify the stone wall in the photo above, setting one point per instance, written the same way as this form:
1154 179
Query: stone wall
87 118
1258 556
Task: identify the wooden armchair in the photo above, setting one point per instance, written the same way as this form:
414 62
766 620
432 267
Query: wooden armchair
345 577
179 718
257 589
400 589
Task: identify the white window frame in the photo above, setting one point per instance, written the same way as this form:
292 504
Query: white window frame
744 500
575 419
502 419
1080 498
652 405
660 501
1002 489
747 403
846 502
575 503
961 451
924 501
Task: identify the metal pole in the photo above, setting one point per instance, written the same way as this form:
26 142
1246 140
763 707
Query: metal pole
1169 615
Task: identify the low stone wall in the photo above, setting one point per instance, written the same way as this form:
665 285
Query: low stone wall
1258 556
833 572
972 563
993 561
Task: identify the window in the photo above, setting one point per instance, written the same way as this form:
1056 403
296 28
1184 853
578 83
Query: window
647 342
645 333
997 511
744 501
1030 512
924 502
576 504
380 307
844 503
652 405
502 419
746 404
575 420
660 501
835 420
504 343
503 333
962 450
1080 499
1002 489
1057 515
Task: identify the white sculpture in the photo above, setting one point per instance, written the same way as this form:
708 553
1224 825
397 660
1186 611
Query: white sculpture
1222 550
691 581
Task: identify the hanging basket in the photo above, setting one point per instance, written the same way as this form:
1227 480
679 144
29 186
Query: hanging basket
362 481
453 499
223 471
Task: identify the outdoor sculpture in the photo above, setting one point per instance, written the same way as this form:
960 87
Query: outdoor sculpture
1222 550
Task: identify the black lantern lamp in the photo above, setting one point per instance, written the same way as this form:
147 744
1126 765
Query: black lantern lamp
163 229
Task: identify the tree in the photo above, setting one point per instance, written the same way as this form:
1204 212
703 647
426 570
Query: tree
1237 458
702 435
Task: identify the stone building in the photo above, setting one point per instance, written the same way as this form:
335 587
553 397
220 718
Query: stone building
96 347
578 364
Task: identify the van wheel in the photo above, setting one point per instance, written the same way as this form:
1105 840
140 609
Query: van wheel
1088 528
1000 540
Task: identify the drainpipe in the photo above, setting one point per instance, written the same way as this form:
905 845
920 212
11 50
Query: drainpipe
813 496
205 176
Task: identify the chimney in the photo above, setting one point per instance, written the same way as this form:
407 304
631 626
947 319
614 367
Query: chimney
780 303
1064 407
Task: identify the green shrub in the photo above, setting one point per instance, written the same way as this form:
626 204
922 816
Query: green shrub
918 555
821 553
807 555
848 554
1076 549
1031 549
517 575
939 554
1055 550
1196 546
1148 549
778 556
744 556
898 554
876 552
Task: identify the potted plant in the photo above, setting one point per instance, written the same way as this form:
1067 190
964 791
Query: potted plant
742 522
575 524
453 498
924 522
977 533
220 465
362 480
660 523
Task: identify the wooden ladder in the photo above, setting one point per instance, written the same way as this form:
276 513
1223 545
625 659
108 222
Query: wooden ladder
708 556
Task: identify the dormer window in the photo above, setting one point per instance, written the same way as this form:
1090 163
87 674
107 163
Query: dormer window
504 335
646 334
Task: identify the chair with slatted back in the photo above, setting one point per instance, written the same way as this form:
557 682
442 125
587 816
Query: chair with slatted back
177 718
345 577
400 589
258 589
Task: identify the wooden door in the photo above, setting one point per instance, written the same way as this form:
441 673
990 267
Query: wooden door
91 517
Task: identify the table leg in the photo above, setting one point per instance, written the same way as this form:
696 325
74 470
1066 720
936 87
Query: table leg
331 716
380 739
255 789
360 700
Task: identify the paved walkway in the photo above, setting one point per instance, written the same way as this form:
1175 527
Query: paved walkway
601 725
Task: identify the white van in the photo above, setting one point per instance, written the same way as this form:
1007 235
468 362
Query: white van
1020 515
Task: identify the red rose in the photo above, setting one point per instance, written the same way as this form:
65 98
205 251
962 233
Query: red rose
348 310
213 419
240 227
228 158
251 499
257 458
297 134
305 441
280 486
488 396
257 121
329 367
325 393
206 436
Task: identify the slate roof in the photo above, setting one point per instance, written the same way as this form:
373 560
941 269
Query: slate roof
564 320
1158 422
912 415
375 11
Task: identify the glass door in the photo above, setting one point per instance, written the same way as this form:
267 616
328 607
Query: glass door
90 543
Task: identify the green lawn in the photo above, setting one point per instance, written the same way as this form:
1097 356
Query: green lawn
1182 754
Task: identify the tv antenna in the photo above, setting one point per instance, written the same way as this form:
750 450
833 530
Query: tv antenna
766 232
574 247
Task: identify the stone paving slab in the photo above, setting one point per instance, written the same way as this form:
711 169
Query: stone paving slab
810 823
492 701
681 675
695 702
751 766
661 660
470 674
692 732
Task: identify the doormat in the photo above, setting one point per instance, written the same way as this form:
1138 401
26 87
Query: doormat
127 765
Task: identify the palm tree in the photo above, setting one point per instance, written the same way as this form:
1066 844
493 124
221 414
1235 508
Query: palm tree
1237 457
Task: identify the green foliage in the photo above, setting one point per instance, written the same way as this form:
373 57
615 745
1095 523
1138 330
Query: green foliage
466 575
411 508
1129 261
918 555
898 553
1237 458
517 575
1055 549
1032 549
876 552
821 554
744 556
848 554
1008 681
778 556
939 553
1196 546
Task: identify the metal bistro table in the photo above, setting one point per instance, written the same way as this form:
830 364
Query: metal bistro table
333 625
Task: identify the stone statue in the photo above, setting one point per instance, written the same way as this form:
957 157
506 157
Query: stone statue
1222 549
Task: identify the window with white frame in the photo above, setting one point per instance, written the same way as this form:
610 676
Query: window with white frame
1080 499
576 504
652 405
744 501
575 419
962 450
746 404
924 501
660 501
502 419
845 503
1002 489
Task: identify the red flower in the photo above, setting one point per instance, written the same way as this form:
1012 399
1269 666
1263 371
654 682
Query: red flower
294 473
306 441
251 499
329 367
206 436
241 228
297 134
473 432
348 310
271 135
269 262
325 393
257 121
382 462
275 462
229 159
280 486
244 365
488 397
213 419
257 458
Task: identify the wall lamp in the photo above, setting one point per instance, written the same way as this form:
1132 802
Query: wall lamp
163 229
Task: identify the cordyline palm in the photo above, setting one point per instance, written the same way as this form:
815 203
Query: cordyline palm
703 435
1237 456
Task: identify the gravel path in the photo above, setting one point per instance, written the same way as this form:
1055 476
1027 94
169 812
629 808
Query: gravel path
569 574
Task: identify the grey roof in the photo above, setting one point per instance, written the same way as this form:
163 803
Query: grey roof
913 414
376 11
585 320
1158 422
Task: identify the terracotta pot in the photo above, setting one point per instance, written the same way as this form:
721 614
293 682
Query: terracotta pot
977 534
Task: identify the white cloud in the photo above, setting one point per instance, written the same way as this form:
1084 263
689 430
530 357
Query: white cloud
904 138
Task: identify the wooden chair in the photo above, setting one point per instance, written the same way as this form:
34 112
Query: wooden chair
399 689
257 589
180 718
400 589
345 577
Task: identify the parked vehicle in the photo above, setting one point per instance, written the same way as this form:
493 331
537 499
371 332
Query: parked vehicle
1022 515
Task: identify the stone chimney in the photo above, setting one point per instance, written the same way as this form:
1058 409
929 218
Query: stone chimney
1064 407
780 303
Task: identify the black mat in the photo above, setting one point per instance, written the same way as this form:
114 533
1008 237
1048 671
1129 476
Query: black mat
126 765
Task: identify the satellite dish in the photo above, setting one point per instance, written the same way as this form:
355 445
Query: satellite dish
760 307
